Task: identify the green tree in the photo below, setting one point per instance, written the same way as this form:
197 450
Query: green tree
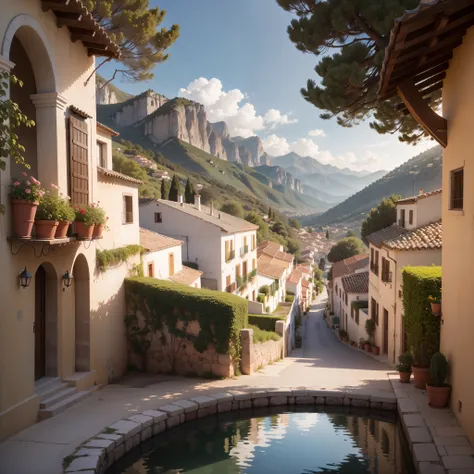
327 235
310 230
295 223
350 37
384 215
279 228
165 189
293 246
233 208
175 189
346 248
189 192
129 167
135 27
322 264
350 233
270 213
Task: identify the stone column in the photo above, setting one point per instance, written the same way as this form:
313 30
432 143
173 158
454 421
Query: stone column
246 341
51 139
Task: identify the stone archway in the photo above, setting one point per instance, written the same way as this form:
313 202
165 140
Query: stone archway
46 321
82 314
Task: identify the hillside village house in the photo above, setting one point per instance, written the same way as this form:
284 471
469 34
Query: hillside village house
58 342
162 259
223 247
348 266
415 241
273 268
417 58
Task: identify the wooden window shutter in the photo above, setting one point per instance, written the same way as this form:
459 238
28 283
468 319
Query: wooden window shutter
78 161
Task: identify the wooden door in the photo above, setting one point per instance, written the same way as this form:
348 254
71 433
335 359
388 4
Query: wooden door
78 161
171 264
39 327
385 331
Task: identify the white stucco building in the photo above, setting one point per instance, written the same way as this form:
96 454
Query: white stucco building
223 247
52 337
417 243
162 259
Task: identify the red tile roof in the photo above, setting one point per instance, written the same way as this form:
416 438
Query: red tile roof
187 276
356 283
413 199
424 238
350 265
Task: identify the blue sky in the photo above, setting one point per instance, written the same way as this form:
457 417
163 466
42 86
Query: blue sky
249 67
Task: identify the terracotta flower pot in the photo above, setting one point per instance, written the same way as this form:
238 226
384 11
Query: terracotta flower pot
61 231
438 396
421 376
98 229
436 308
23 213
84 231
376 350
46 229
404 377
367 348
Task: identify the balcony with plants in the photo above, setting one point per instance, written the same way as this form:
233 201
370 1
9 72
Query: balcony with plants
252 275
244 250
230 256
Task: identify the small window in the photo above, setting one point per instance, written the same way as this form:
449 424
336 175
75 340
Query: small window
410 217
127 209
102 154
158 218
457 189
402 218
151 270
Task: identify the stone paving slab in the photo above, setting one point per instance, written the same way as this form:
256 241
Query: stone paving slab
458 462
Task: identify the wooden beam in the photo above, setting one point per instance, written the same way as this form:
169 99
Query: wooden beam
95 45
89 36
57 5
100 52
69 21
430 80
447 44
431 122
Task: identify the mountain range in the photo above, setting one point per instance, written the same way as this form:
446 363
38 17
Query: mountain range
152 120
423 171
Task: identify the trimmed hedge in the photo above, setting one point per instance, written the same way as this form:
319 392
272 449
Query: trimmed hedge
260 335
266 322
221 315
422 327
289 298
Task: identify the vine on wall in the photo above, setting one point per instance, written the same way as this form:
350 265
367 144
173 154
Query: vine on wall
108 258
422 327
160 306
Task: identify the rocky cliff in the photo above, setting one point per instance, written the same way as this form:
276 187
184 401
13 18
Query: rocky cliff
255 147
180 118
216 145
107 93
138 108
280 177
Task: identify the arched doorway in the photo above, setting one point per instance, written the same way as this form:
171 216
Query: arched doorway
46 321
82 314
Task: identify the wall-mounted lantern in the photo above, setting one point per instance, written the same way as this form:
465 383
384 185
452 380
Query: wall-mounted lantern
25 278
67 279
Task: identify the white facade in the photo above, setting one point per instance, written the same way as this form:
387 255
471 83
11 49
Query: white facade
418 212
164 263
355 327
204 243
339 296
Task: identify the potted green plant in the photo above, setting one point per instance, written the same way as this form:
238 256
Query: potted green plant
435 305
84 222
99 219
370 330
361 343
25 195
47 217
438 389
404 367
66 215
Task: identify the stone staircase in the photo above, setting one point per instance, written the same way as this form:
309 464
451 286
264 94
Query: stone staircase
57 396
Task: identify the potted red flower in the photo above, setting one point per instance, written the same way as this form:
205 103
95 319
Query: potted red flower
25 196
84 222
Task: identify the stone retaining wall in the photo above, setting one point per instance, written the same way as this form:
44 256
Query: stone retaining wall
97 454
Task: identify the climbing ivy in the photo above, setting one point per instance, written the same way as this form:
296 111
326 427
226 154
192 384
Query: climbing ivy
108 258
165 304
422 327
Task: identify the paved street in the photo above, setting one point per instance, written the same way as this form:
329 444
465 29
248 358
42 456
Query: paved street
322 363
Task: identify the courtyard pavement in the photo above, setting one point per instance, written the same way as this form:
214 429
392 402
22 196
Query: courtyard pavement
323 363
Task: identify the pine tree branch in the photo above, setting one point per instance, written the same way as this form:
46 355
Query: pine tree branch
381 42
95 70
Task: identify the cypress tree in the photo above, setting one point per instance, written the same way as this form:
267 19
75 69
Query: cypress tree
189 192
165 189
175 189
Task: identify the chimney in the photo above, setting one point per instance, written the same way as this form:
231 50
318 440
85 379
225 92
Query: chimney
197 201
420 191
211 207
180 198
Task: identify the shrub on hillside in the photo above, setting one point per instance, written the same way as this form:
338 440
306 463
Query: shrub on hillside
346 248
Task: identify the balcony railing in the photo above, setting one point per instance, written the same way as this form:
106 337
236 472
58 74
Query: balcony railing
231 288
387 277
230 256
241 281
244 250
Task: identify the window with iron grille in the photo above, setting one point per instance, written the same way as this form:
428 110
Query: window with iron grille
386 273
127 209
457 189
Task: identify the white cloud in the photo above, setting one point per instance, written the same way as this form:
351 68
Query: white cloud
277 146
242 119
317 133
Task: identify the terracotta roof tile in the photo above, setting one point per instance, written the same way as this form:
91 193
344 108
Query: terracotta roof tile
272 249
350 265
414 199
269 243
187 276
152 241
269 269
424 238
295 278
388 233
356 283
106 129
117 175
